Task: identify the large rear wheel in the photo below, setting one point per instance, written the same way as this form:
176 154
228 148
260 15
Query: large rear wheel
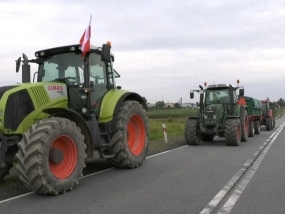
192 137
51 156
130 138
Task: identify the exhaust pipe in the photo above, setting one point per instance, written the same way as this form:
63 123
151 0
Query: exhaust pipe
26 69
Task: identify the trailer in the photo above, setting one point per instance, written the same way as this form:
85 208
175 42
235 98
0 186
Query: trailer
254 110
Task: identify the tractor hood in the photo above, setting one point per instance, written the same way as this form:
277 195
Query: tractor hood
213 113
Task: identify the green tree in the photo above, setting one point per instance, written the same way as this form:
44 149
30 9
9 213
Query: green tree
159 104
176 105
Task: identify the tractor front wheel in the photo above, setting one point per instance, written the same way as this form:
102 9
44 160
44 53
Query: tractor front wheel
233 132
192 137
130 137
5 170
51 156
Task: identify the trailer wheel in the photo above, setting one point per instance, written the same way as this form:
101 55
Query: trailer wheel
244 125
51 156
207 137
192 137
256 124
268 124
233 132
5 171
251 129
130 138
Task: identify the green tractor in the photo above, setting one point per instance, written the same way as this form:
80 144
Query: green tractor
220 113
74 111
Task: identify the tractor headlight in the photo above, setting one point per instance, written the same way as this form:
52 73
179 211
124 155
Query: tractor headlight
205 116
214 116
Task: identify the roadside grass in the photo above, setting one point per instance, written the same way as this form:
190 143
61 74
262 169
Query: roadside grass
166 113
174 127
175 120
279 113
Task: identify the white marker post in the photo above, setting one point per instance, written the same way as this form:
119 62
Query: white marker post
164 133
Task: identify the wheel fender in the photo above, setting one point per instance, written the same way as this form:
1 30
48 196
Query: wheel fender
112 102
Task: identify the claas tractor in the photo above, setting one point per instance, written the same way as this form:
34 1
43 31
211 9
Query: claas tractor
220 113
51 127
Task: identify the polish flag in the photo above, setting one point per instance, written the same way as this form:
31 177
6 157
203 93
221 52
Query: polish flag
85 39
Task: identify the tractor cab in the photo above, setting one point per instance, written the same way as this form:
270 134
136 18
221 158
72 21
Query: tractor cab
87 79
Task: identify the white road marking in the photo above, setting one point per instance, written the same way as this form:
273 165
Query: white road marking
223 192
166 151
95 173
242 185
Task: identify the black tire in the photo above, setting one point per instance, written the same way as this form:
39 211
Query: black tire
244 125
251 129
190 132
130 138
268 124
256 125
37 168
5 171
207 137
233 132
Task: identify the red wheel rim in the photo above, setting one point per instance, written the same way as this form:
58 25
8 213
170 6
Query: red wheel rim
66 167
136 134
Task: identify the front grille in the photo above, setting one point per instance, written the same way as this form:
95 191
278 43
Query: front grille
18 106
40 95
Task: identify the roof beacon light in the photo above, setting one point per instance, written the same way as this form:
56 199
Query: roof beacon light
205 84
109 43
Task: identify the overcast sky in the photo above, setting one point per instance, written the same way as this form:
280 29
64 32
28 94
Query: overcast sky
162 48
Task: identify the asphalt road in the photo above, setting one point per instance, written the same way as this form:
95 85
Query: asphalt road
210 178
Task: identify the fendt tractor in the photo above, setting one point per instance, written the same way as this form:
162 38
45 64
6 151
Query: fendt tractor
50 128
220 113
268 115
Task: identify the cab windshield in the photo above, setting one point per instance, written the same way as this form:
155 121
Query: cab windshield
217 96
67 66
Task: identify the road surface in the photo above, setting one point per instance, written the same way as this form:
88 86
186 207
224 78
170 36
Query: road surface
209 178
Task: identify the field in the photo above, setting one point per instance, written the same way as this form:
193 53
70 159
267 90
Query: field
175 119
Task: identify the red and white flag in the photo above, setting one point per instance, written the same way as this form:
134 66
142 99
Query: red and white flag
85 39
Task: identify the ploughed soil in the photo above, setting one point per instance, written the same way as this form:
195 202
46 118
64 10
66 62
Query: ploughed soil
11 186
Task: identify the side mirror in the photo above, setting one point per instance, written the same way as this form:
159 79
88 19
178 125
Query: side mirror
18 63
241 92
191 94
106 51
